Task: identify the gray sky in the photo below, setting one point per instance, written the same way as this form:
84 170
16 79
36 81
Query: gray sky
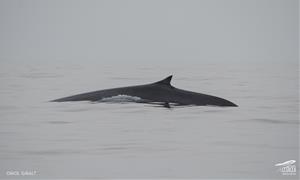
140 30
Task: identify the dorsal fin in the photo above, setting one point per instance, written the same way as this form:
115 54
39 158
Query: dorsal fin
166 81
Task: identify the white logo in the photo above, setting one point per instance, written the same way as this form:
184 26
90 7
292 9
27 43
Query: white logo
287 167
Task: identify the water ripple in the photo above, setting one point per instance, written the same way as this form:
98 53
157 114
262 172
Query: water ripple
271 121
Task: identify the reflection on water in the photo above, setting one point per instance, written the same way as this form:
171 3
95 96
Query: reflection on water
133 140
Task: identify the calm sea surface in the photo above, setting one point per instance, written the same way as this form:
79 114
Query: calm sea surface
129 140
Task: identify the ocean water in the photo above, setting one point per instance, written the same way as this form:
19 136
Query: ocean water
131 140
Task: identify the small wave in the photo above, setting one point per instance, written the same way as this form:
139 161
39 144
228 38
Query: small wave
271 121
276 121
59 122
37 75
121 98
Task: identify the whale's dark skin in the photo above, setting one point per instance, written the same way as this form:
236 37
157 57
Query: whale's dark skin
158 92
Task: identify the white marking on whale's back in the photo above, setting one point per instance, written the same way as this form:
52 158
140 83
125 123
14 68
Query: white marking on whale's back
121 98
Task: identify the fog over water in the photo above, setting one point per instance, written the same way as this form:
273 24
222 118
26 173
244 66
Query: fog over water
243 51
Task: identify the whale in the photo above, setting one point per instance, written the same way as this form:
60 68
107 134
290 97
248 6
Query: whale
160 92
